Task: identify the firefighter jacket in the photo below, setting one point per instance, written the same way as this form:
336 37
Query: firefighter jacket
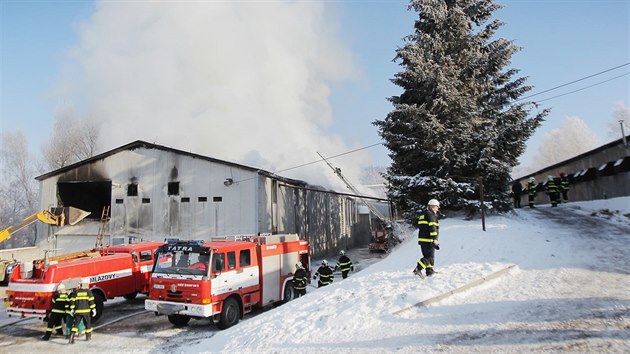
552 187
60 302
344 264
299 279
564 183
82 301
325 275
429 227
531 188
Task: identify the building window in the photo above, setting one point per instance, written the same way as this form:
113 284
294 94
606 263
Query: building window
202 199
132 190
185 199
217 199
146 200
119 201
173 188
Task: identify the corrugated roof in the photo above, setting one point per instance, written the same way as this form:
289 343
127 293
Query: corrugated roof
138 144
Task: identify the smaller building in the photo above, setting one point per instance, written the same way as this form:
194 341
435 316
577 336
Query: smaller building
601 173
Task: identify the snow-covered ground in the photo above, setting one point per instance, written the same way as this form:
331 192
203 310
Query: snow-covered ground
568 291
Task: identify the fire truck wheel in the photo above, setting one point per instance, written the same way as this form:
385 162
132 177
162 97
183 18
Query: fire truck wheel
179 320
131 296
289 292
98 301
230 315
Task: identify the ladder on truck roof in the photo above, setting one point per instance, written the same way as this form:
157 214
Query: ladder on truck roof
354 190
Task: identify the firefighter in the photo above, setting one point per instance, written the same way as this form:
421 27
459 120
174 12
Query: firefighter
344 264
299 280
325 274
564 187
531 191
70 316
60 303
82 307
428 233
552 191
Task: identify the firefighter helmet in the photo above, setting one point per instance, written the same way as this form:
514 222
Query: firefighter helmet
325 263
342 253
433 202
299 265
532 179
562 174
550 178
61 288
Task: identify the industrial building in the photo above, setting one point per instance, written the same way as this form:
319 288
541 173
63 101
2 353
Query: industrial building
144 191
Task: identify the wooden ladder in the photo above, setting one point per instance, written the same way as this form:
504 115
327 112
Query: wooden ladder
102 227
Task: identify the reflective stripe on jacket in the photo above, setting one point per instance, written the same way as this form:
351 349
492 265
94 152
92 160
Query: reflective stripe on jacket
82 301
60 302
344 263
429 227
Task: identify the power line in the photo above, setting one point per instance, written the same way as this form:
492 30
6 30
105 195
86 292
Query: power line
524 98
574 81
584 88
317 161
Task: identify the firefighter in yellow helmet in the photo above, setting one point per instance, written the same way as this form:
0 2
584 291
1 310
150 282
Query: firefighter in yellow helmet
428 232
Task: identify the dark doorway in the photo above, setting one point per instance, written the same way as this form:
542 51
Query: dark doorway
88 196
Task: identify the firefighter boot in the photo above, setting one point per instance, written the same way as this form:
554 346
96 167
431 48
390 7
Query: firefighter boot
46 336
71 340
88 336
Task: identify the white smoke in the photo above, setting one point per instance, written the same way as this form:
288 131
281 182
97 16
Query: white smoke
242 81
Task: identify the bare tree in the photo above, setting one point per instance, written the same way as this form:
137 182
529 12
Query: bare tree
71 140
621 113
571 139
18 188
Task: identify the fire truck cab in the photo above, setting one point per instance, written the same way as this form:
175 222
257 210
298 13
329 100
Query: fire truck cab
225 278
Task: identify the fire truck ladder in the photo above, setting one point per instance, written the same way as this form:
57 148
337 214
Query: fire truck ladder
102 227
354 189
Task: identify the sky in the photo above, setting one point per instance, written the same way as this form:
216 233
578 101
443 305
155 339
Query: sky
271 83
558 294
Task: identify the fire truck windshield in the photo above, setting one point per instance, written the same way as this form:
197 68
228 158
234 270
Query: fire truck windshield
182 262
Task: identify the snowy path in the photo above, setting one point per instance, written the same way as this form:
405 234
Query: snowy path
569 292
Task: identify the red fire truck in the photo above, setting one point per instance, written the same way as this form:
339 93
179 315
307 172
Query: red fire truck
122 270
224 279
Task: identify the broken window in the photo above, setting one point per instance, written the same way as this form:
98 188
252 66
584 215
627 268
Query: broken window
173 188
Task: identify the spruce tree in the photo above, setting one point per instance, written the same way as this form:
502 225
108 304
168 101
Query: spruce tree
459 116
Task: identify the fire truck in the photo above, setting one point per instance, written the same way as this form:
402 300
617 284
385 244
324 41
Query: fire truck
122 270
224 278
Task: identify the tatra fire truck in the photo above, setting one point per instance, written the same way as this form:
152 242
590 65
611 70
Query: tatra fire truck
224 278
122 270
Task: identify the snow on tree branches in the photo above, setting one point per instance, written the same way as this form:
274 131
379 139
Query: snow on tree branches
459 116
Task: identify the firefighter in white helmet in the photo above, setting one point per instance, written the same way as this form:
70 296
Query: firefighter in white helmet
325 274
428 232
531 191
60 303
344 264
83 308
299 280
